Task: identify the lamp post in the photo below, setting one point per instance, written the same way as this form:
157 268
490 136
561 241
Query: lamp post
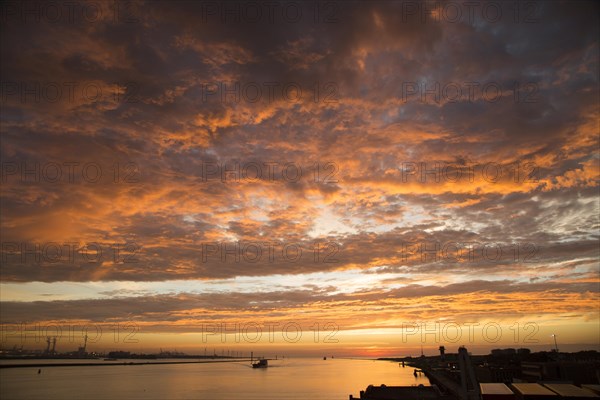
555 345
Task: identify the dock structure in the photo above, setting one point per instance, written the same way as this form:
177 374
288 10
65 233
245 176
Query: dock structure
568 391
438 378
468 381
462 384
592 388
442 386
468 389
533 391
384 392
496 391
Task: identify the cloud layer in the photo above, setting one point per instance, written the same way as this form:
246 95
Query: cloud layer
434 155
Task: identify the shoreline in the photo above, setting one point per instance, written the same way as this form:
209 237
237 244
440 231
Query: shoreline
113 363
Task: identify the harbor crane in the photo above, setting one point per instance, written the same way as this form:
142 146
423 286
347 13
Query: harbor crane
49 340
81 350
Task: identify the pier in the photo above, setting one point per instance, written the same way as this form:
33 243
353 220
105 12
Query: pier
113 363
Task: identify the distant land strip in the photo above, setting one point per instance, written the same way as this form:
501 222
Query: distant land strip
107 363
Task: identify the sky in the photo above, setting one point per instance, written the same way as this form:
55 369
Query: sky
356 178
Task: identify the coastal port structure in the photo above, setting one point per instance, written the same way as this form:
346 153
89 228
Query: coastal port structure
465 386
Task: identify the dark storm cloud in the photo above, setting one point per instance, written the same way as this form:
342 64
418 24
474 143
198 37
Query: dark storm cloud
152 111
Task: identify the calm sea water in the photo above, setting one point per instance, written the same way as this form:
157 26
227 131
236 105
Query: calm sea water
284 379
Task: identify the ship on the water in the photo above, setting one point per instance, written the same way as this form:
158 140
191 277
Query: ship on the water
260 364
